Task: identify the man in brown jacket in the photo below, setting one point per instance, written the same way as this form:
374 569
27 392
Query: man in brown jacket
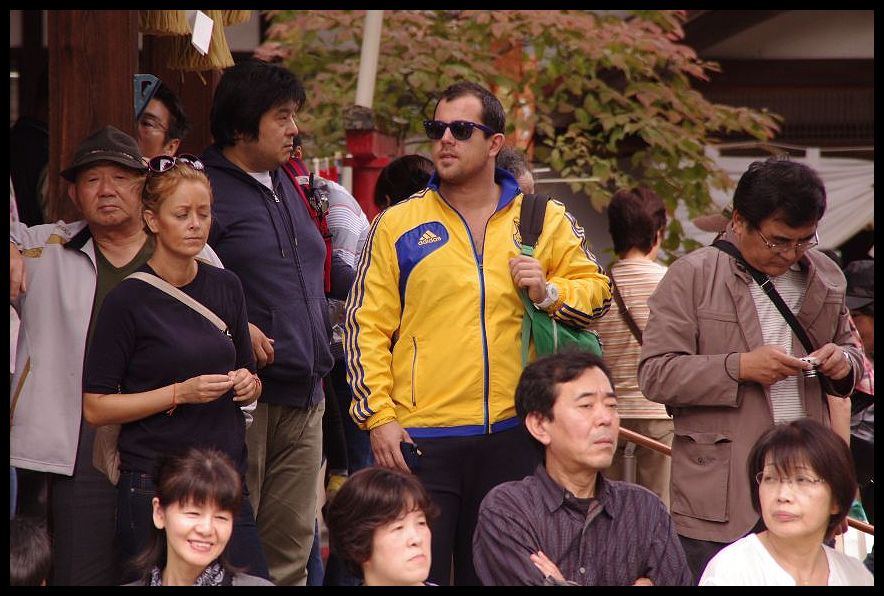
722 358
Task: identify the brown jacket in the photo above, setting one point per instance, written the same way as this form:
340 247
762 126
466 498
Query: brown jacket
702 317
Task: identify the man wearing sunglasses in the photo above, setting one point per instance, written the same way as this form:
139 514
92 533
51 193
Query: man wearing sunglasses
263 232
719 353
433 323
59 276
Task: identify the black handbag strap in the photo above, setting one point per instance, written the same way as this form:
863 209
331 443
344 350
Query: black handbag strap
624 310
769 289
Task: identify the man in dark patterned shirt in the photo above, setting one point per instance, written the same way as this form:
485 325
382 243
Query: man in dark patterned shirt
566 524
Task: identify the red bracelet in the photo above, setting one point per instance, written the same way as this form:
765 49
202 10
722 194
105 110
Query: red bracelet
174 403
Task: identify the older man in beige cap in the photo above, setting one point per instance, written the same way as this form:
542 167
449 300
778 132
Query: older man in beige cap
59 276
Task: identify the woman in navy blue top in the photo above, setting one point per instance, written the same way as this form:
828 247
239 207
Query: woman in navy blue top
163 370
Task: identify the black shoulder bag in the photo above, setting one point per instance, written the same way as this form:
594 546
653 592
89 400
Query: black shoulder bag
767 285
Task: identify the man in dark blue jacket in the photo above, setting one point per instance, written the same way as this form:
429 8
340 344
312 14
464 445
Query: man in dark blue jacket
263 232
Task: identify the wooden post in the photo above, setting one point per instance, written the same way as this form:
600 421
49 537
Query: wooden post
32 66
92 59
196 93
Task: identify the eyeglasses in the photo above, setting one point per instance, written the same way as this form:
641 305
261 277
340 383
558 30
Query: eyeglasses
460 129
152 125
164 163
799 482
781 247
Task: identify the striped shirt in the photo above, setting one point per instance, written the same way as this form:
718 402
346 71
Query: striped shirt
349 229
636 280
620 535
775 331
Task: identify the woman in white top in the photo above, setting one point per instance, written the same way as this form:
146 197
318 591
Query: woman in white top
802 486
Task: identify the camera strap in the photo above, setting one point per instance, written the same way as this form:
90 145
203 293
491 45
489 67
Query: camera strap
769 289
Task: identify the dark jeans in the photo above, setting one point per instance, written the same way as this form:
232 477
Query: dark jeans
458 472
358 456
135 526
314 562
358 445
13 491
79 512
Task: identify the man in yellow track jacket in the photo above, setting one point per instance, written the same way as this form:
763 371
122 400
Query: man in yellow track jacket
433 325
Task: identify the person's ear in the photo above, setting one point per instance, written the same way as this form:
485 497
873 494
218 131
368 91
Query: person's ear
834 510
72 195
658 240
150 218
537 424
159 515
497 142
171 148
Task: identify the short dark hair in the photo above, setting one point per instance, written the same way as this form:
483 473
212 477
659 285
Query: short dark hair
401 178
806 441
179 123
635 217
492 115
781 188
245 93
191 475
537 391
30 552
513 161
369 499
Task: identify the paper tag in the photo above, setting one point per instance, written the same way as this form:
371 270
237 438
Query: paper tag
202 32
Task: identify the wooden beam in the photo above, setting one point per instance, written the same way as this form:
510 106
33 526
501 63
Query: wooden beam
709 27
798 72
92 59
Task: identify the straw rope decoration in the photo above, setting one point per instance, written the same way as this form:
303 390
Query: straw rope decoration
180 52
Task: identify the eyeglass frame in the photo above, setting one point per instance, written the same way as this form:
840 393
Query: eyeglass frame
471 125
153 123
792 482
782 247
188 159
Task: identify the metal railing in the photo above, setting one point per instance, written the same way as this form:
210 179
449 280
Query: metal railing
634 438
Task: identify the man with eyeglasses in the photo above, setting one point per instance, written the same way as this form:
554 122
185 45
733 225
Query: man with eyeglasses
59 276
721 356
163 124
433 323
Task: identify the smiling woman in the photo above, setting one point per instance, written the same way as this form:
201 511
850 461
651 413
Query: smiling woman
198 492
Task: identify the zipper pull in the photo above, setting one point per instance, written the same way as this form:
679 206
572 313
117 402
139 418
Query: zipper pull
275 198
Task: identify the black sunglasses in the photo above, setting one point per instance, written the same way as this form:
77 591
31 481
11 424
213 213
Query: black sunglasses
164 163
460 129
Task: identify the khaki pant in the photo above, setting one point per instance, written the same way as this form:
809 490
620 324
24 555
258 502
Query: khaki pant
285 451
651 467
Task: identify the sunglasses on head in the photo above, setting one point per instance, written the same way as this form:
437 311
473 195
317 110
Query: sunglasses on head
460 129
164 163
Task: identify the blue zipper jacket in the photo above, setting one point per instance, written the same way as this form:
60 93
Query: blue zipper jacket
269 240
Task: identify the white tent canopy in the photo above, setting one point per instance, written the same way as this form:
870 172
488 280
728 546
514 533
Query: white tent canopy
850 191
